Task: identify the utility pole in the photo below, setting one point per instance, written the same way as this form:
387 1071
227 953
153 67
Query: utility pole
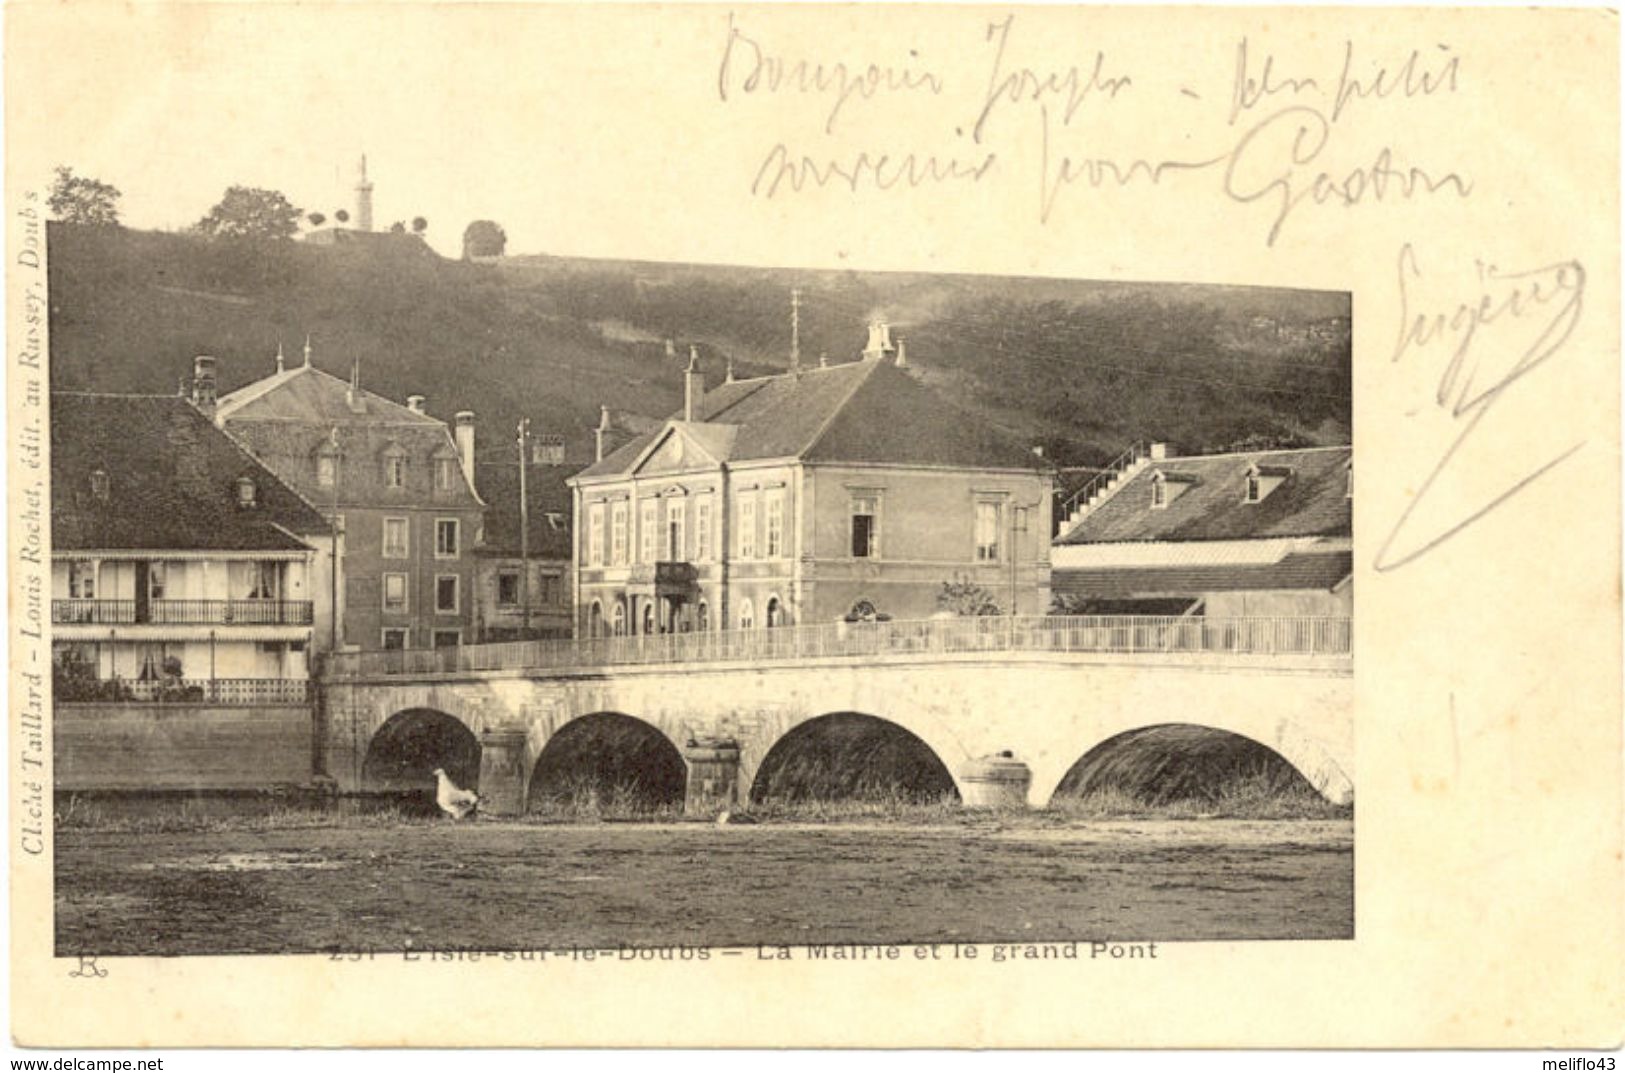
524 524
795 330
333 571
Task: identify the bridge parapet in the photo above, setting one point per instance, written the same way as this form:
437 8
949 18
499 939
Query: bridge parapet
1151 636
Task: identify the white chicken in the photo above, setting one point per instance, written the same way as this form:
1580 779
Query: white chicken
453 802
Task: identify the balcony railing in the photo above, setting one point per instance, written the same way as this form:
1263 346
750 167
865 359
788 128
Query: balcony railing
1126 635
182 612
232 612
222 691
92 612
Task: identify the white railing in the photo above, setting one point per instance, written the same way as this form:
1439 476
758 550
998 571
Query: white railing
1108 634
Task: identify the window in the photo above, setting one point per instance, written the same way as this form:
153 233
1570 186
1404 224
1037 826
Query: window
448 638
648 533
99 486
157 579
445 474
865 527
987 532
595 535
82 579
1159 492
747 527
775 524
445 594
326 469
618 620
552 589
394 638
775 613
648 619
1254 488
703 616
247 494
595 620
617 533
256 581
395 543
395 471
676 518
508 588
747 615
702 529
447 532
395 593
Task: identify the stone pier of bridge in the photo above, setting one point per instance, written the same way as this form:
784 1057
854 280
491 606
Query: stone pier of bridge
1046 711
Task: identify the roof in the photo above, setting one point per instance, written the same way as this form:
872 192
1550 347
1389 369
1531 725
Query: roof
307 394
1315 571
289 418
546 491
171 481
859 412
1311 500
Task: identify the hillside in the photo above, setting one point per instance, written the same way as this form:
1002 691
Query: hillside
1081 367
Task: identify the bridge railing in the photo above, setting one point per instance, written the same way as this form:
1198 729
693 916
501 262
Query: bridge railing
1105 634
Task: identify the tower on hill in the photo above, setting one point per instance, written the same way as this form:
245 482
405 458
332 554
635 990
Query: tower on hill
363 199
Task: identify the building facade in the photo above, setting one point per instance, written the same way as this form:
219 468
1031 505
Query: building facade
181 602
399 486
836 493
1248 534
508 604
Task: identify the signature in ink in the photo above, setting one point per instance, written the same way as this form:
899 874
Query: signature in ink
1551 299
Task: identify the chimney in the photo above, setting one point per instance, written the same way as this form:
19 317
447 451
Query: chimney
879 340
363 200
693 386
415 403
601 435
902 353
465 443
204 390
1159 451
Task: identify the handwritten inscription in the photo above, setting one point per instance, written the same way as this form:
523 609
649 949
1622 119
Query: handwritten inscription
1537 310
1279 142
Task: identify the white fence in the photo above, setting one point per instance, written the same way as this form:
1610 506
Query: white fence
1109 634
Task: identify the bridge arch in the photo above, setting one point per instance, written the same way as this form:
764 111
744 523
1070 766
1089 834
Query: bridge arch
608 760
404 751
855 755
1170 760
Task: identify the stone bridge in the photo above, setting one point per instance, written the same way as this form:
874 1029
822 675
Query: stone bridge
493 715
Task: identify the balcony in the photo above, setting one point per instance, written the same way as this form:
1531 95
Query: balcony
215 691
182 612
664 579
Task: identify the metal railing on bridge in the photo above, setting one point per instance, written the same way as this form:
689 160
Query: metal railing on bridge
1102 634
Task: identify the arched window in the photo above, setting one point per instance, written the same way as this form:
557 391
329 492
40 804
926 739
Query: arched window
775 612
595 620
648 619
703 616
618 622
747 615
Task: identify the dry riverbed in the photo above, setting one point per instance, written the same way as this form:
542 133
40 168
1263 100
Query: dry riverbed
504 886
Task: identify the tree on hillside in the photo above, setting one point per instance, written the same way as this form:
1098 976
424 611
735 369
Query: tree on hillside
342 216
248 212
79 199
316 219
397 228
484 238
419 225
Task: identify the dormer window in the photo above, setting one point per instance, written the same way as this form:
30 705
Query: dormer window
327 467
394 467
100 487
1262 480
445 474
1167 487
247 494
